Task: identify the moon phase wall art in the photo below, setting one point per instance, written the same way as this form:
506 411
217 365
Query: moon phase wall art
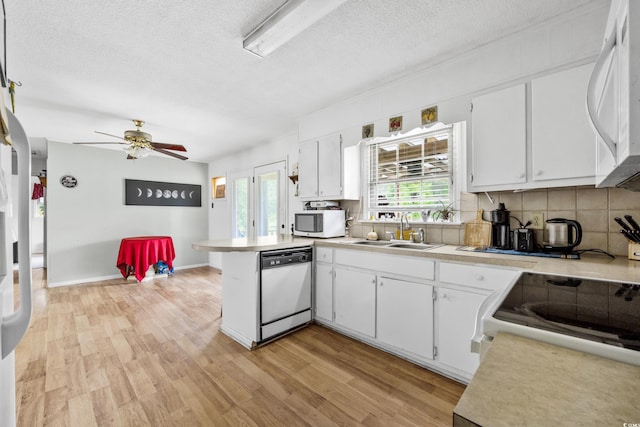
153 193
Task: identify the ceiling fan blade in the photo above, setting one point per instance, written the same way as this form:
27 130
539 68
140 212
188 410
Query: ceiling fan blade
166 146
108 134
98 142
169 153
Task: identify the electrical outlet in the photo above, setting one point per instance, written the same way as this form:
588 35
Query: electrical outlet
537 220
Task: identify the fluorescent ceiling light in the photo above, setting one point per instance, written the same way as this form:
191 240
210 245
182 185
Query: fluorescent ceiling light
289 20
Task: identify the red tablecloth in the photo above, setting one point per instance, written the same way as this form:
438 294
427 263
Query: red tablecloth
142 252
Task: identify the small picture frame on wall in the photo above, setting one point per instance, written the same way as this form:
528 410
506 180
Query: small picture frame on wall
220 191
395 124
430 115
367 131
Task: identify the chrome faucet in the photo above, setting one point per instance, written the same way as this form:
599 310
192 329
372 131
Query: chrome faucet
403 218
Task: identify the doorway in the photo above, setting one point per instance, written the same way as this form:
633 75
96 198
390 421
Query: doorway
258 201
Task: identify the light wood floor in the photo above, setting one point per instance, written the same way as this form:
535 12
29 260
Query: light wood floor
123 353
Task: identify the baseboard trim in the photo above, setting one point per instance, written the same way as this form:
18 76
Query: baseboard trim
113 276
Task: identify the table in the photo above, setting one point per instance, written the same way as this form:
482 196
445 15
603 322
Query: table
142 252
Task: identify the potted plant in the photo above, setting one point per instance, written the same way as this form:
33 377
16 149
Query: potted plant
445 213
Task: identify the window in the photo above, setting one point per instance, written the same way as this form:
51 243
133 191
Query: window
411 174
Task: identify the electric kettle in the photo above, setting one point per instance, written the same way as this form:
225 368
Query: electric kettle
562 235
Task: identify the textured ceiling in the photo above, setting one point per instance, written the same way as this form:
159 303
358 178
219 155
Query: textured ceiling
90 65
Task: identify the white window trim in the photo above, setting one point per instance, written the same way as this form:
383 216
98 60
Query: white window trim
458 153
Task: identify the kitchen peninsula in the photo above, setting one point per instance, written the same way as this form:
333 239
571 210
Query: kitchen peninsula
266 286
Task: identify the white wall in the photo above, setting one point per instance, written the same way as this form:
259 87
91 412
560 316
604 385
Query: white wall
559 43
85 224
278 149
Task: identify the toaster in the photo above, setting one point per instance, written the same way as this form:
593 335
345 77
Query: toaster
524 240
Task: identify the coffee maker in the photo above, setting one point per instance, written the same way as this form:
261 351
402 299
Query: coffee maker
500 231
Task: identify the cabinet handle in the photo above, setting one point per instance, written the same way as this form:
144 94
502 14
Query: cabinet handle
609 46
538 173
479 277
374 281
521 175
444 295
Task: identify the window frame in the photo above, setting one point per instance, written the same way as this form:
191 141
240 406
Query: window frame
418 213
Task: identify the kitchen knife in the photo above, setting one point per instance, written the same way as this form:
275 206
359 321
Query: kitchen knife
634 225
622 224
630 236
632 222
627 231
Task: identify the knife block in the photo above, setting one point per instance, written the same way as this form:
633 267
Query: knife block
634 251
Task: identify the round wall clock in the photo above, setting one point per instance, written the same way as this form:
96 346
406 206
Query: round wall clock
68 181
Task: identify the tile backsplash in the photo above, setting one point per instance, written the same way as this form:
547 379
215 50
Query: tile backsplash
594 208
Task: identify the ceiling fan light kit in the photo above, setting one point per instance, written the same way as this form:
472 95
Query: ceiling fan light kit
140 144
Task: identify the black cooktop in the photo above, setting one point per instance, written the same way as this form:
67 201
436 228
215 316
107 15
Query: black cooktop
602 311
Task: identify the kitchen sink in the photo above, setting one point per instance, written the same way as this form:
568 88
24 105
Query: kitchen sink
416 246
396 244
371 242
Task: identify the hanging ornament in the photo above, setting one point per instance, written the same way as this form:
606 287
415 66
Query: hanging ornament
12 92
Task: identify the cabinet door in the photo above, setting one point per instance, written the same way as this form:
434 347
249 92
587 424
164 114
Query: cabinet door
563 143
498 126
456 319
405 315
330 167
324 292
308 169
355 301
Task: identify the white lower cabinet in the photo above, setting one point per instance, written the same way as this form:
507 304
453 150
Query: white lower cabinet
388 301
405 316
355 300
324 292
456 320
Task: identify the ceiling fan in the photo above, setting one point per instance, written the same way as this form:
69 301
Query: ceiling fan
140 144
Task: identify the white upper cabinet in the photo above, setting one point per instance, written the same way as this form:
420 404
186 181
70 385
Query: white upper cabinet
499 138
562 138
533 135
308 169
327 171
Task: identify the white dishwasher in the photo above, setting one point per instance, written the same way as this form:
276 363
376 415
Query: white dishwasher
285 291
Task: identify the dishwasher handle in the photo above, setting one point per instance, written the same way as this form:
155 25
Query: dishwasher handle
277 259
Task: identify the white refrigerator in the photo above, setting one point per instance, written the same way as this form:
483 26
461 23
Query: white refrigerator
14 321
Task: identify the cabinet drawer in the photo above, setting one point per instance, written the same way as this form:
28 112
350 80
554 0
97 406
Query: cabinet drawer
476 276
385 263
324 254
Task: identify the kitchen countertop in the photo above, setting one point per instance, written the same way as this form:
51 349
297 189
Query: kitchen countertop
589 266
526 382
252 245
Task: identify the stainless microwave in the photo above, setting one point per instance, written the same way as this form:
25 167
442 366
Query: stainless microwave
322 223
